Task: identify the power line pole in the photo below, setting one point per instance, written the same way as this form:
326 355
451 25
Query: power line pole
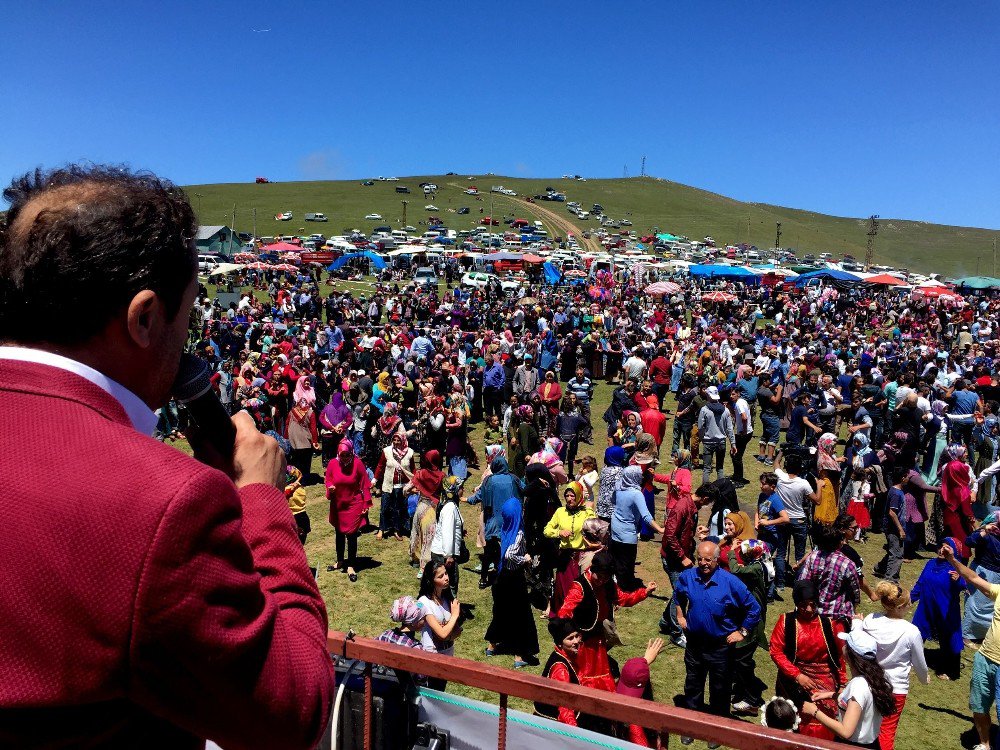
994 258
255 222
625 171
232 231
642 172
872 232
404 212
777 235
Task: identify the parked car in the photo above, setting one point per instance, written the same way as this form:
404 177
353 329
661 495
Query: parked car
208 262
373 217
425 276
368 183
284 216
402 189
480 280
463 210
489 221
316 217
431 207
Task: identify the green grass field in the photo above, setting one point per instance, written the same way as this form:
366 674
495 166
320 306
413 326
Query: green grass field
939 710
649 203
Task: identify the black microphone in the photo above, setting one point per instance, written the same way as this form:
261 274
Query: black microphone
193 388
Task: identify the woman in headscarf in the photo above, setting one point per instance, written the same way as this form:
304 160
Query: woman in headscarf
512 628
935 440
300 430
590 601
614 464
456 425
522 438
386 427
335 420
426 482
379 389
497 489
828 482
957 488
735 529
939 609
629 514
449 531
541 500
548 456
304 391
551 394
393 473
349 493
566 526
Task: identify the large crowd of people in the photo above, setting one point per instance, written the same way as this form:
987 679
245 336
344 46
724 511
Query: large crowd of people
869 412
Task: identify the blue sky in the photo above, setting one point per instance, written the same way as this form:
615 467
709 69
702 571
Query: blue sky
844 108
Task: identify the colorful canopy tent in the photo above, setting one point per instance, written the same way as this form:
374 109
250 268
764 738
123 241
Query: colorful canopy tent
885 279
529 258
667 237
831 275
728 273
502 256
346 257
978 282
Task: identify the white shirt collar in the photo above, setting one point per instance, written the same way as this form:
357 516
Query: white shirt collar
142 417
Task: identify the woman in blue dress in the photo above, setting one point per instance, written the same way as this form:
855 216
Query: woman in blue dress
939 610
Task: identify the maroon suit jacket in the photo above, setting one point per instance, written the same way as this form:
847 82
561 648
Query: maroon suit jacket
145 602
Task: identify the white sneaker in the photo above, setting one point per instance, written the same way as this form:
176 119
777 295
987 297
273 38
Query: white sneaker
982 746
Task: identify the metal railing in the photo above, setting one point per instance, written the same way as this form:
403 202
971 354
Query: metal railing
507 683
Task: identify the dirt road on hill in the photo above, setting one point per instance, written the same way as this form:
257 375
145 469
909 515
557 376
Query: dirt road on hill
554 219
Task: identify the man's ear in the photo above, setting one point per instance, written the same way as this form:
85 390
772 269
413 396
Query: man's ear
143 317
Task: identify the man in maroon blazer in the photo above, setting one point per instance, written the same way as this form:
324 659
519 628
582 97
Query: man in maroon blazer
148 599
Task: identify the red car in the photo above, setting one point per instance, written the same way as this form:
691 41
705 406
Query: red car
262 180
489 221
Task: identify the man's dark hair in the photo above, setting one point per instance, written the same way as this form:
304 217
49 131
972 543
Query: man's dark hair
826 536
80 242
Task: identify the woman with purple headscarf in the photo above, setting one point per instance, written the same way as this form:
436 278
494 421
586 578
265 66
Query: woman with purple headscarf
335 420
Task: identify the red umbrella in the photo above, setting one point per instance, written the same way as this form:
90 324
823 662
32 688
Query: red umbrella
259 266
285 267
244 257
935 291
574 274
718 297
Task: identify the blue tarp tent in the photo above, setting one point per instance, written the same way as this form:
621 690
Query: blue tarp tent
552 274
343 260
831 275
729 273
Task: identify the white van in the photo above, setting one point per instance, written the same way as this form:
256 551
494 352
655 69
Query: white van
400 236
207 262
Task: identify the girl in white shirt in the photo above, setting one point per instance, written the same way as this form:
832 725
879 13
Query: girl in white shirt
900 649
865 700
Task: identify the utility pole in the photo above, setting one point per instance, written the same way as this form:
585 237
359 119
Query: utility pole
777 236
404 212
994 258
872 232
625 171
198 196
255 222
748 227
642 172
232 232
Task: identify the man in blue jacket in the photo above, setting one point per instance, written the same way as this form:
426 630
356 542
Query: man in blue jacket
716 611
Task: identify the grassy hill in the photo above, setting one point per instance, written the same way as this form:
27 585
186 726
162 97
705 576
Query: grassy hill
648 202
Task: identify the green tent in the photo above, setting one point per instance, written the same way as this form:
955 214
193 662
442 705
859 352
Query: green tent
978 282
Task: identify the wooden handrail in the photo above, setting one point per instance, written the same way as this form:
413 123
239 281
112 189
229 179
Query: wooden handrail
505 682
